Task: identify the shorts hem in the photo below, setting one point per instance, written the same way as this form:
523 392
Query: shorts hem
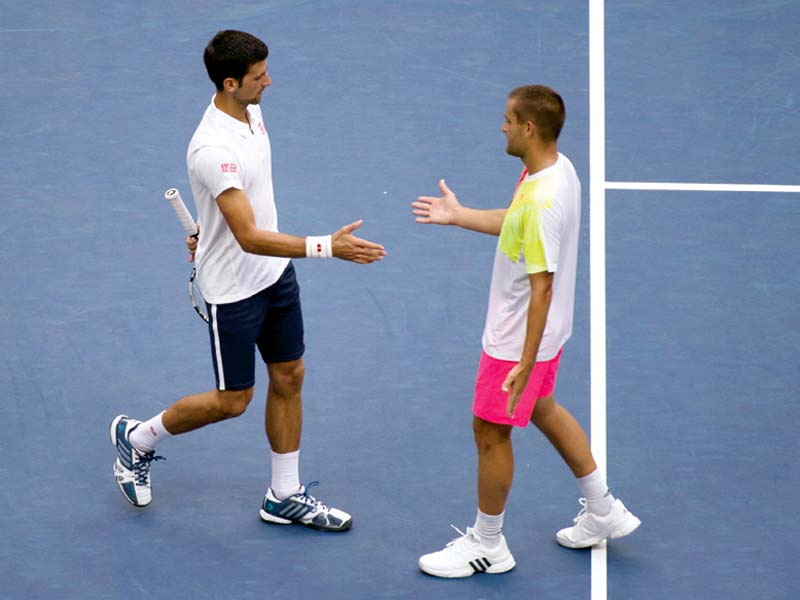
285 357
501 420
236 388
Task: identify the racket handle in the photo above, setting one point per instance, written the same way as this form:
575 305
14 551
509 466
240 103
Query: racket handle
173 196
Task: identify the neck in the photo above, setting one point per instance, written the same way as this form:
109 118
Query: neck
231 107
540 157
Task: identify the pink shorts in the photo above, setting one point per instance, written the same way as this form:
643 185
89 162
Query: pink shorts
490 400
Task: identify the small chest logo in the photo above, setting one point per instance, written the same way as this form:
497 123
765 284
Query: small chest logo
228 167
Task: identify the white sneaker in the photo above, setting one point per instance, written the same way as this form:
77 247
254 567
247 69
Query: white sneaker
591 529
467 555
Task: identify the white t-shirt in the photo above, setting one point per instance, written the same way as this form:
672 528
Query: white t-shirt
540 233
225 153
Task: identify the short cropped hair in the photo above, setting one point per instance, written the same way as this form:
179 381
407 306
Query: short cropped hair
543 106
231 53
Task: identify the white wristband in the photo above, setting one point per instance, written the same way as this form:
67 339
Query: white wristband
319 246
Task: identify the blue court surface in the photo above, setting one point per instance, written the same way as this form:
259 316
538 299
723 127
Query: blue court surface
372 103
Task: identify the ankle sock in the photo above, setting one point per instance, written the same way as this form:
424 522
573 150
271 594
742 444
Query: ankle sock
489 528
599 499
285 474
149 434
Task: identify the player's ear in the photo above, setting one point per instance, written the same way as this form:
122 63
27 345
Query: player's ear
229 84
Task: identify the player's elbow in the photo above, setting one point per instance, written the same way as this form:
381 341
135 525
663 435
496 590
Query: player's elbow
247 241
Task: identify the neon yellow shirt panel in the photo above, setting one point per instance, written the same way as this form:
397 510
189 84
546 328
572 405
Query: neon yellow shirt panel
523 228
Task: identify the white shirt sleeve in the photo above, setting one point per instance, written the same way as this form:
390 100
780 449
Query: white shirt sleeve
216 169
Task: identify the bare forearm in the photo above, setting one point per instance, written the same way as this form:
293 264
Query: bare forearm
270 243
537 317
481 220
541 295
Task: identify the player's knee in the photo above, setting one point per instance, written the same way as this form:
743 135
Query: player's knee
287 378
233 403
489 435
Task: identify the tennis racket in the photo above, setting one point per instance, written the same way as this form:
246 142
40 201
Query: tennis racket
173 196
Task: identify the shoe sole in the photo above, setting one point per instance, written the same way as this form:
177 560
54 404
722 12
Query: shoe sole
628 526
112 433
273 520
496 569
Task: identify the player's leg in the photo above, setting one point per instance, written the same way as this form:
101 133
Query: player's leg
565 434
284 410
495 465
233 330
281 346
603 516
483 547
136 441
198 410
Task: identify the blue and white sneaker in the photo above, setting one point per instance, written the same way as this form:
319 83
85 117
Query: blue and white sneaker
132 467
304 509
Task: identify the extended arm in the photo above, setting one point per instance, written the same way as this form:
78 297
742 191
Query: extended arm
239 215
447 210
517 379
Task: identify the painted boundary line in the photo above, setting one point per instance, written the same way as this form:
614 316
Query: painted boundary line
700 187
597 254
597 263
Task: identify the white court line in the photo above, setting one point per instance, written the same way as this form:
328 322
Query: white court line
597 263
597 253
700 187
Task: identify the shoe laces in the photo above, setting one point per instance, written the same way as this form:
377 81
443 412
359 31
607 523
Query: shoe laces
464 540
583 513
318 505
141 468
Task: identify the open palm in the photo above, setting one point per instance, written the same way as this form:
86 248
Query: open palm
437 210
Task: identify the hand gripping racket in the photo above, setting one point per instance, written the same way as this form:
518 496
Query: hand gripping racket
173 196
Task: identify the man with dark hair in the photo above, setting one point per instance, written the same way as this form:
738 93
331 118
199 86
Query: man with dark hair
528 321
247 278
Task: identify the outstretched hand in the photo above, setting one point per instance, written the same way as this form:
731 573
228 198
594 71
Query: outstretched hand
440 211
347 246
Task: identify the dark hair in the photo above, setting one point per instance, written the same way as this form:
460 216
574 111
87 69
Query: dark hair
231 53
543 106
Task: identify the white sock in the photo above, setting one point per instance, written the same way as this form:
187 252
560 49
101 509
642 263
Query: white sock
595 489
149 434
489 528
285 474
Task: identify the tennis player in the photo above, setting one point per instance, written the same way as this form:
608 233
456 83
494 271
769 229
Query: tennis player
247 279
528 321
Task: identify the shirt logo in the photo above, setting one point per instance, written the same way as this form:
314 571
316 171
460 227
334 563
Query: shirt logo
228 167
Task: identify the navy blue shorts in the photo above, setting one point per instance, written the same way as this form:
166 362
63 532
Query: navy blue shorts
271 320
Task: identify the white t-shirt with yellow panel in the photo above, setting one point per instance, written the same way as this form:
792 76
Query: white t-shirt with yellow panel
540 233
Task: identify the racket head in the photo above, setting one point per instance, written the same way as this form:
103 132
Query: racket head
196 296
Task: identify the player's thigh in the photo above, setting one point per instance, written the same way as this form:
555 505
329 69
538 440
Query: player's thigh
233 329
281 337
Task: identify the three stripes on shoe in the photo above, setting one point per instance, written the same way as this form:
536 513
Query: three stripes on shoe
294 511
479 565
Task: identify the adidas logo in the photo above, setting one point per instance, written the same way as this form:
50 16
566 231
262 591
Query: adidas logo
480 565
